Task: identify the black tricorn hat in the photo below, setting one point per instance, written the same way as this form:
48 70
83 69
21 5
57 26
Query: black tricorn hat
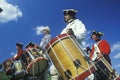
30 44
98 34
19 44
70 12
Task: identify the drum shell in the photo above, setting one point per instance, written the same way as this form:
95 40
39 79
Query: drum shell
104 69
61 49
35 65
118 78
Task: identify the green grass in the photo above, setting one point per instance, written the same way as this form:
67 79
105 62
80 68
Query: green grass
3 76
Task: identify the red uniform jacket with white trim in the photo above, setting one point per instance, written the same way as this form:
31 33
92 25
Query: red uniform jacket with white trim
104 48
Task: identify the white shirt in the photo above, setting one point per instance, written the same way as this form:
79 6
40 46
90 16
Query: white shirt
45 40
78 28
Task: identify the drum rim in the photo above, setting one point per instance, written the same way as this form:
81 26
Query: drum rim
86 73
36 60
54 40
31 63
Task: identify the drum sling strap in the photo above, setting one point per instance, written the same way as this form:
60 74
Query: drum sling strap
96 50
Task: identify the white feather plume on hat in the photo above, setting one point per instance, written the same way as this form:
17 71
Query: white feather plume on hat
40 29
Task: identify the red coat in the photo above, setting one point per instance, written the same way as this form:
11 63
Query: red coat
104 48
19 53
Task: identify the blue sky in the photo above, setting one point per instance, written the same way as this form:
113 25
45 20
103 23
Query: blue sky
20 18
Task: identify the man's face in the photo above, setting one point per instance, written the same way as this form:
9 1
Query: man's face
67 18
45 32
95 38
18 47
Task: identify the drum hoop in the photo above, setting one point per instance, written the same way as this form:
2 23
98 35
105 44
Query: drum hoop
55 40
83 75
34 61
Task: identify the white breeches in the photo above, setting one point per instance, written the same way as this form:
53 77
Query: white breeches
54 73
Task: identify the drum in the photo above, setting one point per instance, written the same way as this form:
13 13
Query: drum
68 58
34 61
18 69
104 69
7 66
117 78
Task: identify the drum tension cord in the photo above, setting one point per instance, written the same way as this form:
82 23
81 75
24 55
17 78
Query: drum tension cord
68 74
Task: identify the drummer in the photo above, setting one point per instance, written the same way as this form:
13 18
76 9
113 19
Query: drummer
100 47
73 27
44 41
47 37
19 47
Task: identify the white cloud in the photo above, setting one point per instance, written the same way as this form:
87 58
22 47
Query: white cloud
117 56
10 12
115 47
118 65
39 29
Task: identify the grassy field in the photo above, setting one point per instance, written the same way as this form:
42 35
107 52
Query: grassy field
3 76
